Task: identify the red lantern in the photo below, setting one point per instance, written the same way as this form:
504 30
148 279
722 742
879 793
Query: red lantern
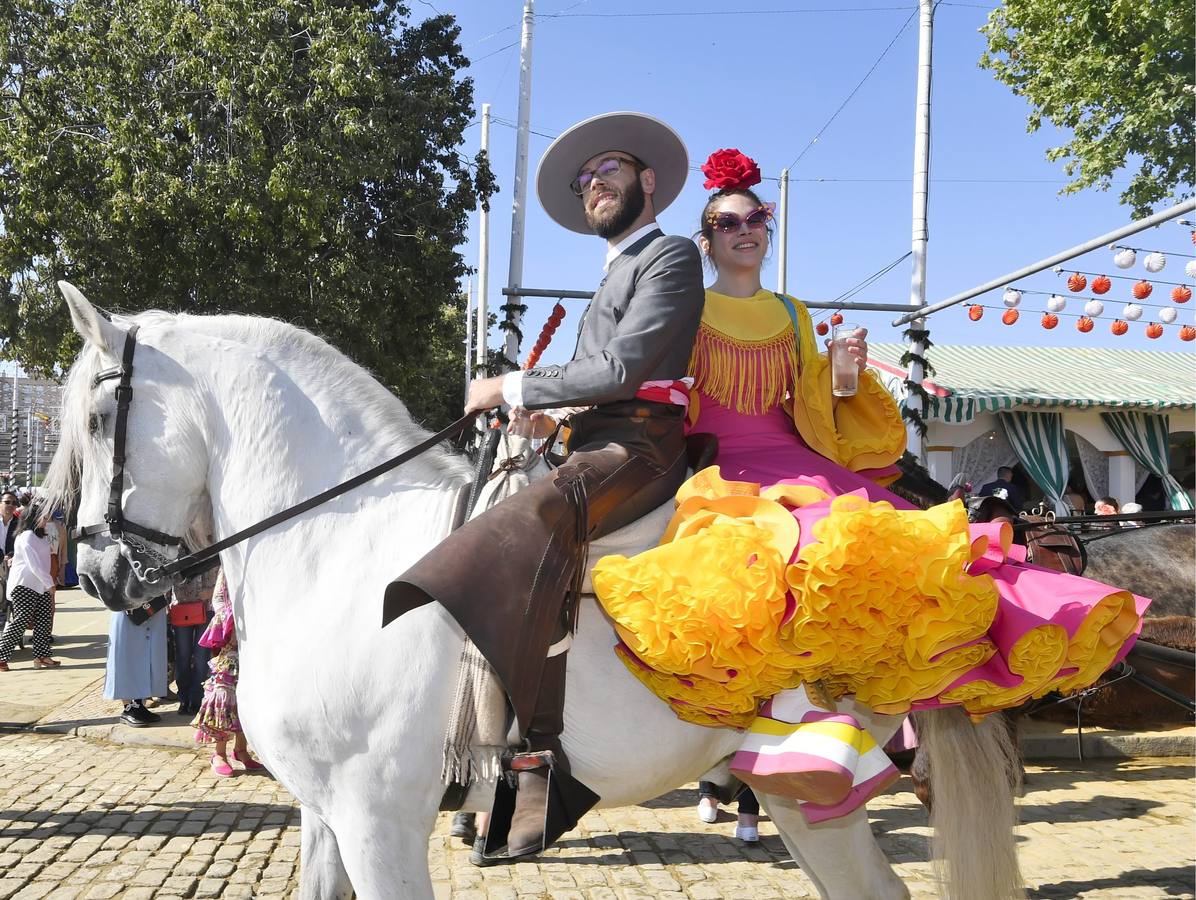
821 328
1142 289
1049 320
1101 284
836 319
1084 324
1154 330
1077 283
1181 293
1009 316
1119 327
1187 333
975 311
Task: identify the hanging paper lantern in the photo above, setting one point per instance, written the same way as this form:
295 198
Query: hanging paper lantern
1100 284
1084 324
1132 312
1124 258
1167 314
1190 268
1142 289
837 319
1077 283
1009 316
975 311
1049 320
1154 330
1119 327
1011 297
821 328
1187 333
1055 303
1155 262
1094 308
1181 293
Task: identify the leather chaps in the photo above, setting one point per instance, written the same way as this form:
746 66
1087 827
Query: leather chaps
509 576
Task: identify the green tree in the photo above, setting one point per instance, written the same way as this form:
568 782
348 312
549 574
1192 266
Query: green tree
1118 74
286 158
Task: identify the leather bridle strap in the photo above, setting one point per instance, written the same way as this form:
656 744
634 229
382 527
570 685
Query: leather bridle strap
186 566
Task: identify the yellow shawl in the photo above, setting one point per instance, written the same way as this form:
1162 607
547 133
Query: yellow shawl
746 341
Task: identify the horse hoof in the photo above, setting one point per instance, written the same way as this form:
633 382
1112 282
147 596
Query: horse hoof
464 827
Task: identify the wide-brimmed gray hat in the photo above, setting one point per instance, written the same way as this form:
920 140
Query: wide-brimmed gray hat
648 139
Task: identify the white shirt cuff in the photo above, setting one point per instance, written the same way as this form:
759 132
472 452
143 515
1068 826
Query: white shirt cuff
512 389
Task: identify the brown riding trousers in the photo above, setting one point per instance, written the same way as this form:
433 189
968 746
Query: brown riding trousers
505 575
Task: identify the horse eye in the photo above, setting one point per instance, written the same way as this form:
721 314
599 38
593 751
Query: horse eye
94 422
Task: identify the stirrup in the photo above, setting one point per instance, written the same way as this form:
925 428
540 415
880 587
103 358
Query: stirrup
568 800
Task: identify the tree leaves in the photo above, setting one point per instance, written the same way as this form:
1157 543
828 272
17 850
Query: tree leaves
1118 74
293 158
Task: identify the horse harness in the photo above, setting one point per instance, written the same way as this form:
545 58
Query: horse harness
152 566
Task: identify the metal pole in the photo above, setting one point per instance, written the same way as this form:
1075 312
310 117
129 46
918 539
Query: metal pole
519 201
483 257
921 233
783 232
29 445
16 431
1079 250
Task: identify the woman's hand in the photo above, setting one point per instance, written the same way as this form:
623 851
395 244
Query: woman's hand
857 346
530 424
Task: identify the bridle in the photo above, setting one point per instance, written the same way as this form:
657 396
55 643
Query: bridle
154 567
125 532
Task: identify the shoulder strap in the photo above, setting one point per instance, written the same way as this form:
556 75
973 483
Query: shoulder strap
792 310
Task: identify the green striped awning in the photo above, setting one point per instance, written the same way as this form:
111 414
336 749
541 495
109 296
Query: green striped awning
975 380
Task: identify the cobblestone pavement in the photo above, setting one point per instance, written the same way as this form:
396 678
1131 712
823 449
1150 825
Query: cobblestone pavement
85 820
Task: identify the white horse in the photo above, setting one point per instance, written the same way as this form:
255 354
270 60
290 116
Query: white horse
252 415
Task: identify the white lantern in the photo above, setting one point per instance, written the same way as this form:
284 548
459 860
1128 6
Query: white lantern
1055 303
1190 268
1094 308
1155 261
1167 314
1124 258
1132 312
1012 297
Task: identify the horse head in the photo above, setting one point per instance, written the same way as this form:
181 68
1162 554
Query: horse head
128 509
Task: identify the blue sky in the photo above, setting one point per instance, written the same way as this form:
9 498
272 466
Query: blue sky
766 79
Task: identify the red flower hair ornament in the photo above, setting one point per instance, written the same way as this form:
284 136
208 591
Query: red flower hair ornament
730 170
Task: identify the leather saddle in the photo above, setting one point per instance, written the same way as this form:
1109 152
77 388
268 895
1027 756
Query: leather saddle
1052 547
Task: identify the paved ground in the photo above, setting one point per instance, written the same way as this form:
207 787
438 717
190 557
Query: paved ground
98 810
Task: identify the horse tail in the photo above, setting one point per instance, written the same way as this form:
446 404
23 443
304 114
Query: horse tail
975 770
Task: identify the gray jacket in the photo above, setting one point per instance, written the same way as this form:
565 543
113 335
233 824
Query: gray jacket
639 327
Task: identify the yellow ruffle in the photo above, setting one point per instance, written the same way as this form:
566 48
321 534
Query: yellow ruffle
880 606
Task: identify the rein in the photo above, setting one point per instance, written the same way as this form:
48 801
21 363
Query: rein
116 524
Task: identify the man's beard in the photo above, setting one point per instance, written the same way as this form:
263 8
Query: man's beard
619 214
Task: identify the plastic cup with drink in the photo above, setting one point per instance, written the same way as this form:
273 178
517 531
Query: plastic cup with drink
845 374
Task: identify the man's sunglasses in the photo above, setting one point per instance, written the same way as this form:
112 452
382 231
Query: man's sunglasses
608 168
729 222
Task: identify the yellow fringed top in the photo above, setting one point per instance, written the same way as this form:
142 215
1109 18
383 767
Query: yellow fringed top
746 357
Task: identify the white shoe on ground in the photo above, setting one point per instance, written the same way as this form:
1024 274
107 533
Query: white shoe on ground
708 810
749 834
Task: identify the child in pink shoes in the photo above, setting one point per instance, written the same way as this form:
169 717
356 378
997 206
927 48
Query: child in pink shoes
217 720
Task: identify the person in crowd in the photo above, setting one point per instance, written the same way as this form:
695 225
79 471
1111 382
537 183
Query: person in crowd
607 176
8 533
747 824
1131 507
188 616
1106 506
29 587
788 562
1005 488
217 720
136 668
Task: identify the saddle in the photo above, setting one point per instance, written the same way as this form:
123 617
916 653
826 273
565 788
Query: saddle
1055 548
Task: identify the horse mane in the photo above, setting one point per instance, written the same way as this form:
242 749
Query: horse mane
382 414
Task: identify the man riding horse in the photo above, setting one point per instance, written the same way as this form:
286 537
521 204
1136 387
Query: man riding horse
511 576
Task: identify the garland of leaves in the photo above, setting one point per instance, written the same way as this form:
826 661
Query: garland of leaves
914 388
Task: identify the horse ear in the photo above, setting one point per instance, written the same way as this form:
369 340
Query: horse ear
88 321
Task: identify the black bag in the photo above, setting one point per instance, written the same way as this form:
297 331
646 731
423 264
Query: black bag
141 614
